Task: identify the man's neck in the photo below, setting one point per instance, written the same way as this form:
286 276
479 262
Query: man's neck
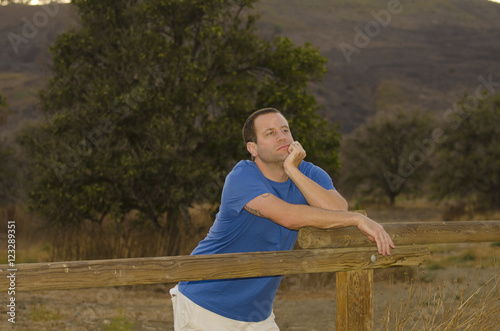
272 171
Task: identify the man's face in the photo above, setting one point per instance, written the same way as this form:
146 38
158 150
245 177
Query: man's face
273 138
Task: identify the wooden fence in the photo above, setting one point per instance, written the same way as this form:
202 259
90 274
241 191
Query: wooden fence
345 251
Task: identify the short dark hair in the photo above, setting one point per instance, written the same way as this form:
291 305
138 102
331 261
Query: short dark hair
249 134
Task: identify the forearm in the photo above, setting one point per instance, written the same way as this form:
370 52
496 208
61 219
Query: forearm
294 217
302 215
316 195
299 216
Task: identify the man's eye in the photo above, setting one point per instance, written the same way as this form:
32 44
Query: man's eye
270 133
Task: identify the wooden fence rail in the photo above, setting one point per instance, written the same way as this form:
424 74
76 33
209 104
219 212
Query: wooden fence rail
404 234
119 272
345 251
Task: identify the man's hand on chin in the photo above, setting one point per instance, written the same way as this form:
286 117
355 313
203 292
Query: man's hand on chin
297 154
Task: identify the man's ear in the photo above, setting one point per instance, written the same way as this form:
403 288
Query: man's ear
252 148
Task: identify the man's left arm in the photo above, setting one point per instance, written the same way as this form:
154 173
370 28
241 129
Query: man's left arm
315 194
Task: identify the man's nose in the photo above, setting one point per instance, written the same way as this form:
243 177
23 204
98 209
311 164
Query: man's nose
281 136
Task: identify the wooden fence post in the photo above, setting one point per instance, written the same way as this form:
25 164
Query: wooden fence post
354 299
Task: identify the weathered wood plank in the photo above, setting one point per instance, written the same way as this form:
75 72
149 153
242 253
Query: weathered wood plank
404 234
354 300
118 272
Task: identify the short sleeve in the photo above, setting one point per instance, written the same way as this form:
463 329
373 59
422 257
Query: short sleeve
317 174
242 185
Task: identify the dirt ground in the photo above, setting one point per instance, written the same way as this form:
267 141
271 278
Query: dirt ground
297 307
149 307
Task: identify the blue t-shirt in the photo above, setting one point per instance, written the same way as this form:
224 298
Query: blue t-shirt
236 230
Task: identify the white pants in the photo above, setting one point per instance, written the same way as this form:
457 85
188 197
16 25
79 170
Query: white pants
190 316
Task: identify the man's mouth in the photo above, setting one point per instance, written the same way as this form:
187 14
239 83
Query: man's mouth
284 147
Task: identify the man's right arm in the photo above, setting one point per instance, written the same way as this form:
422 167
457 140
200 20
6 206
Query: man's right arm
295 217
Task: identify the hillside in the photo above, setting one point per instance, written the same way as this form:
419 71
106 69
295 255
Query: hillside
418 55
24 57
425 58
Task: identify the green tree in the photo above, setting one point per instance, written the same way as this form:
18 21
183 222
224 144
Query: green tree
468 162
146 104
387 156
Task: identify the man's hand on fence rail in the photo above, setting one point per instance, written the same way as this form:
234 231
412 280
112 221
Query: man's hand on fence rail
404 234
377 234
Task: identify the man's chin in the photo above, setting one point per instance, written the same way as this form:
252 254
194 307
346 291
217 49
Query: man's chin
277 158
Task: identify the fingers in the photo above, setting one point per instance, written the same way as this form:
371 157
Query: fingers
384 243
376 233
296 155
296 146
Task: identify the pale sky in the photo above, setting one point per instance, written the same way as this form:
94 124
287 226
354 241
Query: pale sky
37 2
41 2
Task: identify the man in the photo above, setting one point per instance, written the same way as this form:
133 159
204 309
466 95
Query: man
264 202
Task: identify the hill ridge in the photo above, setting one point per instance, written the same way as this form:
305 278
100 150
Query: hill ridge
425 57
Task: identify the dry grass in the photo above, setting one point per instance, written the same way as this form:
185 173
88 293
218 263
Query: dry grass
457 289
460 304
39 241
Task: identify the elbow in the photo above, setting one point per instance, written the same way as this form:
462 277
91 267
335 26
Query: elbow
340 204
344 206
293 226
336 202
290 222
